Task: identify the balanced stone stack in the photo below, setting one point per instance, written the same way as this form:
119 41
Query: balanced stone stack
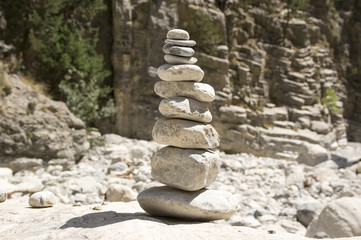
187 165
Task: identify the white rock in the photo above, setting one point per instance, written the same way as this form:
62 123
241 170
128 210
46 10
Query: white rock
177 50
186 108
178 34
340 218
198 205
120 193
6 173
185 134
187 169
42 199
199 91
184 43
172 59
183 72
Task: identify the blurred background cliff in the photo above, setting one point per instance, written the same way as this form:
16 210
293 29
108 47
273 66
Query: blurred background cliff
287 73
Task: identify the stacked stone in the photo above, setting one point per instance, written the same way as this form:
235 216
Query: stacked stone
187 165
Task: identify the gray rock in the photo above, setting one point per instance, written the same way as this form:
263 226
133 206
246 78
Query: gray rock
178 34
177 50
186 169
183 72
42 199
19 164
308 211
184 43
199 91
120 193
340 218
312 154
186 108
320 127
172 59
36 127
185 134
198 205
3 197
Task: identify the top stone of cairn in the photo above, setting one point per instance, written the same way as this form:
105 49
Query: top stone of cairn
178 34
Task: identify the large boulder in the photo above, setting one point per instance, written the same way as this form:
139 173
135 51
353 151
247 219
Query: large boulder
33 126
312 154
340 218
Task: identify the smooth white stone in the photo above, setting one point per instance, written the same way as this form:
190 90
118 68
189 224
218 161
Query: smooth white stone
172 59
42 199
185 108
184 43
186 169
203 204
178 34
185 134
200 91
184 72
177 50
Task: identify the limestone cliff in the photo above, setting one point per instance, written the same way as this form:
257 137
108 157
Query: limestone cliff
282 80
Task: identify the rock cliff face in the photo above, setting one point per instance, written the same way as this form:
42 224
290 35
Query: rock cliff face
276 75
35 129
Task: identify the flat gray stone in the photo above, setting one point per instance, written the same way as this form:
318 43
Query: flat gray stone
177 50
203 204
42 199
183 72
185 108
178 34
185 134
200 91
184 43
172 59
186 169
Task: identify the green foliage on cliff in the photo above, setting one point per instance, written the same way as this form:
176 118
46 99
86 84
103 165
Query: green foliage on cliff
204 31
57 42
330 101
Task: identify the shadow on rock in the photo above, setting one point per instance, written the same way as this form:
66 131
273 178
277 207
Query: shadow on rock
93 220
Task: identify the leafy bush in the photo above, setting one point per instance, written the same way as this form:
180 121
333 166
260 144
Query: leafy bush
204 31
58 46
330 101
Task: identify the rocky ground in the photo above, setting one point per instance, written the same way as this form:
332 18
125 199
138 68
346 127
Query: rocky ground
274 195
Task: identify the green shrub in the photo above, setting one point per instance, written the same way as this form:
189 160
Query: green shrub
204 31
330 101
58 43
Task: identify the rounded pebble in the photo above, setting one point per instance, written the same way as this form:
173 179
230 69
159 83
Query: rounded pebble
42 199
178 34
172 59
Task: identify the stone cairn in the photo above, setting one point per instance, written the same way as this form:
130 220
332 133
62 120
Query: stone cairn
187 165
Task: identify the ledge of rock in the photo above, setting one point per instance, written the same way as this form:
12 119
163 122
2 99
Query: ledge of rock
114 221
35 128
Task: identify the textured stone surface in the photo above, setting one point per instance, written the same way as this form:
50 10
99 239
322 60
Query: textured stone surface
199 91
340 218
184 72
184 43
33 126
187 169
177 50
198 205
3 197
185 134
116 221
42 199
178 34
312 154
120 193
172 59
185 108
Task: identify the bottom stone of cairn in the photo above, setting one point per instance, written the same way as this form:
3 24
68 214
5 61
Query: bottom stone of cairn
203 205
